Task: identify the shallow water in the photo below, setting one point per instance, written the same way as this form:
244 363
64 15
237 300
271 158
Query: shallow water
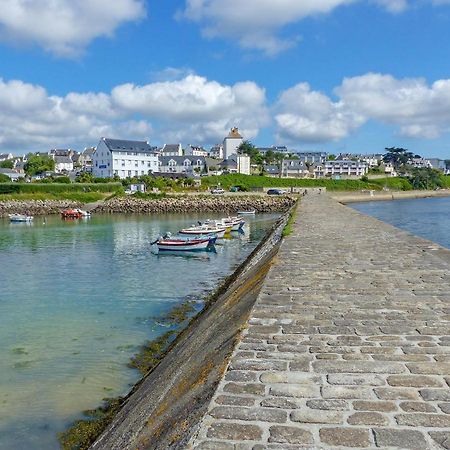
77 299
425 217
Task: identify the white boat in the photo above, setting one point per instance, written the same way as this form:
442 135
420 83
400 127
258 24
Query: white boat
184 244
202 230
20 218
231 223
84 213
251 212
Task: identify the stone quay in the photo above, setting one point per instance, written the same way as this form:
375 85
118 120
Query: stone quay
347 345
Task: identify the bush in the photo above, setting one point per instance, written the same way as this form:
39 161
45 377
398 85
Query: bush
4 178
397 183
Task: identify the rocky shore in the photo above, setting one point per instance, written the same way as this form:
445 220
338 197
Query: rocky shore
196 204
36 207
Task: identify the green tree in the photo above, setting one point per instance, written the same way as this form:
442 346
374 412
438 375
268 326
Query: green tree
84 177
4 178
8 164
425 178
331 157
36 164
398 157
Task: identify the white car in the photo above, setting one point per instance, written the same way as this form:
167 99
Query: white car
217 191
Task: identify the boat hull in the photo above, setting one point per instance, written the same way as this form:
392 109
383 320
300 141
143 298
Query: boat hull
182 245
220 233
20 218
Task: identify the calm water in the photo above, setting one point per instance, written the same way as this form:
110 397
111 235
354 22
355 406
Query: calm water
77 299
427 217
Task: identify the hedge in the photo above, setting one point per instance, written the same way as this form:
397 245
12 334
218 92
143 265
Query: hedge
256 181
52 188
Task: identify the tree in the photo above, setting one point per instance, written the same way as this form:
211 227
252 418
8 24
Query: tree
36 164
84 177
425 178
4 178
398 157
8 164
331 157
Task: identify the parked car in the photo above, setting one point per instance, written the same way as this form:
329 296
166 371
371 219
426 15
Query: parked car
217 191
276 192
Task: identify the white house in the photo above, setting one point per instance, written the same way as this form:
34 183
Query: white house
5 156
231 143
243 164
189 165
63 164
346 168
192 150
171 150
123 158
216 152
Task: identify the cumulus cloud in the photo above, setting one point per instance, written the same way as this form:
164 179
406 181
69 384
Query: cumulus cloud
311 116
417 109
257 24
64 27
190 110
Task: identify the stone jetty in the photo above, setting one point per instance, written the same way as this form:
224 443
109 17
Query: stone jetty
191 203
347 346
36 207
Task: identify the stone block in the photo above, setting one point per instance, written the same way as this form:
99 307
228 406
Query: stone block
232 400
292 390
424 420
346 437
363 405
417 407
335 405
248 388
317 416
368 418
414 381
279 402
357 367
253 414
396 394
291 377
349 379
441 437
290 435
442 395
236 375
432 369
407 439
350 392
234 432
249 364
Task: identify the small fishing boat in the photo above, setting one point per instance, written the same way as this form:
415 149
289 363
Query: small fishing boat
20 218
184 244
71 214
202 230
230 223
83 213
250 212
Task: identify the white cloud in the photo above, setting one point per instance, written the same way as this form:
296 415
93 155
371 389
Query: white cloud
64 27
310 116
256 24
191 110
416 109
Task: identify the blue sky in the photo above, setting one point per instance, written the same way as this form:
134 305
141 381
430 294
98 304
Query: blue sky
337 75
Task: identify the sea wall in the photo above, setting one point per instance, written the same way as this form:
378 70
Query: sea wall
370 196
225 204
36 207
165 408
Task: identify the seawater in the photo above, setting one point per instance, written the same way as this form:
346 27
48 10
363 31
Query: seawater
78 299
426 217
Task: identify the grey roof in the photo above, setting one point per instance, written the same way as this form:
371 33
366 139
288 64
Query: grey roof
271 168
294 164
180 159
171 148
63 160
88 151
4 155
228 163
11 171
117 145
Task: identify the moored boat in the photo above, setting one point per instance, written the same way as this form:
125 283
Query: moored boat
20 218
202 230
230 223
250 212
83 213
71 214
183 244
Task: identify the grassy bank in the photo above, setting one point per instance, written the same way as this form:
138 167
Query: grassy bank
58 188
82 197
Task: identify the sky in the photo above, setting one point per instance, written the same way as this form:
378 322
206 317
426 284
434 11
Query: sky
334 75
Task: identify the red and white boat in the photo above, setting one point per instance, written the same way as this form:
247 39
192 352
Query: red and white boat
71 214
184 244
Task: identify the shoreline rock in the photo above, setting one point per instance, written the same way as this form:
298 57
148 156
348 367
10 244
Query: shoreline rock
196 204
36 207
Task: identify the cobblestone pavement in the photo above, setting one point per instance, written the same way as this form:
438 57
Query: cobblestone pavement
348 344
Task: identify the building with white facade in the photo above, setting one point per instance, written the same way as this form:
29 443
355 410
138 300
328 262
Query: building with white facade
345 168
5 156
189 165
63 164
216 151
171 150
192 150
123 158
231 143
243 164
312 157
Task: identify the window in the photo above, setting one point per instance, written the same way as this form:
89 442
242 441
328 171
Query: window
129 173
136 172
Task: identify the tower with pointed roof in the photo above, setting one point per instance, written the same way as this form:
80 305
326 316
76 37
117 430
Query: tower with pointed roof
232 142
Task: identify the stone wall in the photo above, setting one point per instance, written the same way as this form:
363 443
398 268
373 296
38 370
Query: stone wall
36 207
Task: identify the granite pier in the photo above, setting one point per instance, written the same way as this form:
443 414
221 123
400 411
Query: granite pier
347 345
